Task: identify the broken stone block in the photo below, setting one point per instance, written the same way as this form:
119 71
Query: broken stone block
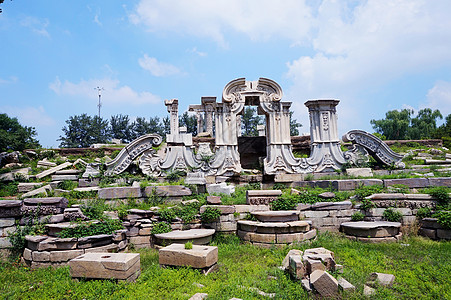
123 266
382 279
198 257
199 296
119 192
286 260
53 170
214 200
306 285
368 291
345 285
313 265
44 206
326 257
10 208
296 266
324 283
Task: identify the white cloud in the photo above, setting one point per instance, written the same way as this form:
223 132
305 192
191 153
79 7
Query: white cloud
97 21
439 97
156 68
29 116
10 80
197 52
258 19
36 25
113 92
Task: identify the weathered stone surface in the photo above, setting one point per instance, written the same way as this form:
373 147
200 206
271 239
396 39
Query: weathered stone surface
7 222
306 285
53 201
272 227
15 174
288 238
368 291
410 182
214 200
197 236
195 178
345 285
332 205
324 283
41 190
277 216
296 266
53 170
371 229
303 206
427 232
94 241
199 296
113 248
73 214
444 234
360 172
64 255
5 243
140 241
225 209
119 192
220 188
312 265
261 197
168 190
440 181
41 256
286 260
240 208
280 177
316 214
197 257
64 177
310 234
430 223
382 279
24 187
124 266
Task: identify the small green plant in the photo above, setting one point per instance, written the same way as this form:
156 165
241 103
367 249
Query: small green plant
175 175
167 214
210 214
367 190
285 202
161 227
357 216
250 217
279 186
444 218
441 193
67 185
424 212
366 204
399 188
392 215
106 226
189 245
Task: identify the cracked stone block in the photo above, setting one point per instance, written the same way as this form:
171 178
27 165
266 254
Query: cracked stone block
324 283
382 279
198 257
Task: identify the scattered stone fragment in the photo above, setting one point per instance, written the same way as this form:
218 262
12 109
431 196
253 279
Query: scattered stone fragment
296 266
327 195
306 285
382 279
261 293
286 260
199 296
324 283
344 285
214 200
368 291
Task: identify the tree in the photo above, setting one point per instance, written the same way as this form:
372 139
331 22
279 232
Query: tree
141 127
395 126
83 131
424 124
190 122
444 130
294 125
15 136
121 128
249 122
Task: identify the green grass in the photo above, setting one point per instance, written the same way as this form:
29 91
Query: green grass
422 269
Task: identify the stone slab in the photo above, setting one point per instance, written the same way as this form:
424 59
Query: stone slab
296 266
360 172
225 209
332 205
277 216
168 190
105 266
41 190
371 229
197 236
410 182
345 285
24 187
119 192
324 283
220 188
64 177
198 257
444 234
53 170
286 262
261 197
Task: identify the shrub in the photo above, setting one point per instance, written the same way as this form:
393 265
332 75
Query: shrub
285 202
310 196
189 212
444 218
107 226
366 204
399 188
94 209
67 185
424 212
441 193
357 216
210 214
367 190
392 215
161 227
167 214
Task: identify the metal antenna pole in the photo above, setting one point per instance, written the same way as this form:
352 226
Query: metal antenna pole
99 89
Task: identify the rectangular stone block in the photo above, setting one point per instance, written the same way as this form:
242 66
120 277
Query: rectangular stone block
64 177
444 234
24 187
119 192
316 214
241 208
410 182
262 197
440 181
53 170
27 254
5 243
168 191
227 226
198 257
263 238
7 222
225 209
296 266
287 238
324 283
10 208
140 240
41 256
427 232
123 266
344 285
65 255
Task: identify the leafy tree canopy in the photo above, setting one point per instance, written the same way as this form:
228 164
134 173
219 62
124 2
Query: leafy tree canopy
15 136
83 131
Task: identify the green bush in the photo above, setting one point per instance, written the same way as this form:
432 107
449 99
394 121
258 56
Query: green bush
424 212
210 214
441 193
167 214
107 226
366 204
310 196
67 185
285 202
399 188
94 209
392 215
161 227
8 189
444 218
357 216
367 190
189 212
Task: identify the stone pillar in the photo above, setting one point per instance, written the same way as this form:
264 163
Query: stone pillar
173 110
208 104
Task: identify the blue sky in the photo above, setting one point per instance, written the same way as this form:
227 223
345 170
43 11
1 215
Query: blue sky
374 56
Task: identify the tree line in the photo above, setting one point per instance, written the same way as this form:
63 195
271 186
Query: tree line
404 125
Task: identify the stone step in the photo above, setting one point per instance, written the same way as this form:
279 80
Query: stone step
277 216
273 227
196 236
378 229
198 257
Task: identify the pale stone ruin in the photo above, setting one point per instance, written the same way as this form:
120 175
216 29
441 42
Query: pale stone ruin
266 94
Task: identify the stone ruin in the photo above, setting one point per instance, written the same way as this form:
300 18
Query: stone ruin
222 120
